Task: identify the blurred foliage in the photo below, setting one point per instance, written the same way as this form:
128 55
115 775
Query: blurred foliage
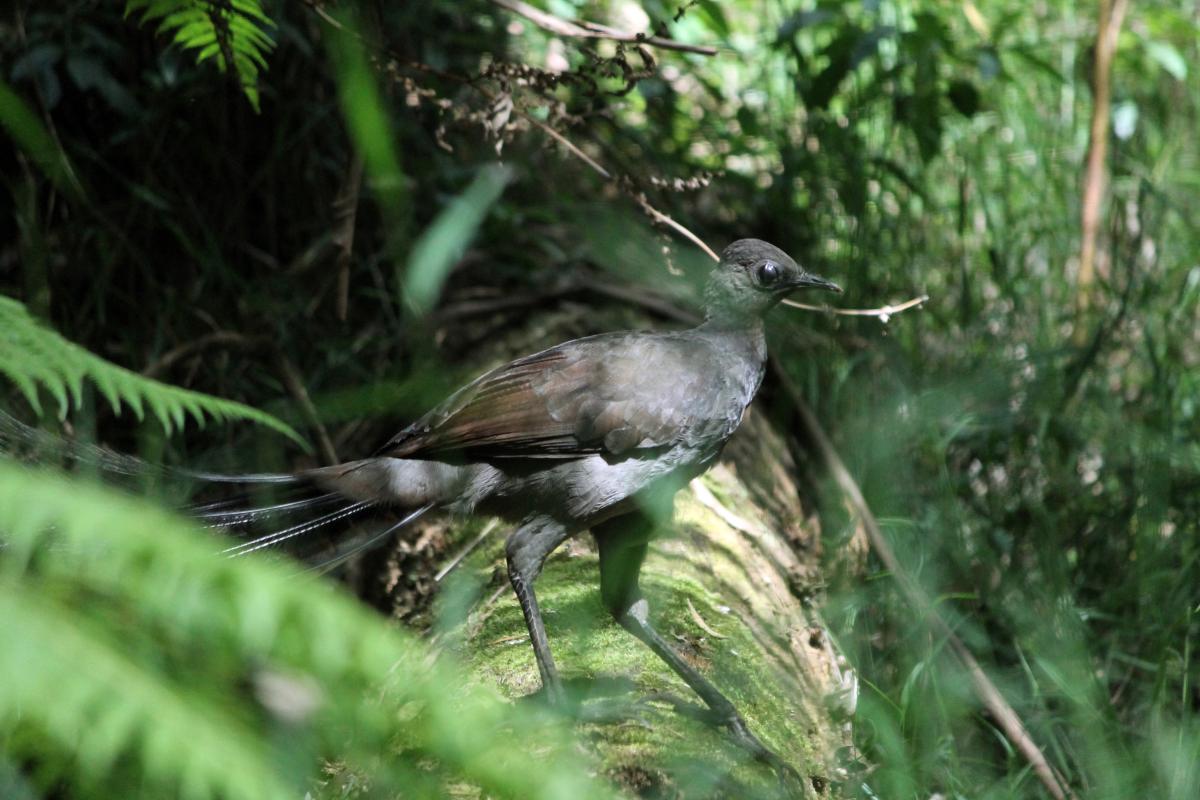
1036 468
139 663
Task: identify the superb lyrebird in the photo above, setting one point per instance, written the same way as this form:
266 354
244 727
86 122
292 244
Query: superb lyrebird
580 437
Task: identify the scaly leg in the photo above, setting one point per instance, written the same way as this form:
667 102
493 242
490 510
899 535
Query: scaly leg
526 552
622 543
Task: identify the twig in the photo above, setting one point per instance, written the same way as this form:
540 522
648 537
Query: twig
700 623
169 358
593 30
567 143
660 217
295 386
466 551
884 313
345 213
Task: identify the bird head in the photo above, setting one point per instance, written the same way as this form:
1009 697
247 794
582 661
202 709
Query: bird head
753 277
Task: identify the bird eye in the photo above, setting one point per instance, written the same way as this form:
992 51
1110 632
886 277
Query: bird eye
768 273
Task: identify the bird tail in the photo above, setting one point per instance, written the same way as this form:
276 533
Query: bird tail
300 513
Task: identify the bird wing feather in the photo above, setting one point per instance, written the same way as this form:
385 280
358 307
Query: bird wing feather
613 394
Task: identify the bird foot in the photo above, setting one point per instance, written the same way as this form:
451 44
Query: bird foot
790 781
594 700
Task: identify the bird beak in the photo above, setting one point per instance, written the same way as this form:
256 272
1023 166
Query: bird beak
807 280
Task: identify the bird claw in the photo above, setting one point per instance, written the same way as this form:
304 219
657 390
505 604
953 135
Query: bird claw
614 711
790 781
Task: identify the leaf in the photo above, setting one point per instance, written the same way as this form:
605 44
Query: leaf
1168 58
33 356
367 119
212 29
140 657
713 16
443 243
29 134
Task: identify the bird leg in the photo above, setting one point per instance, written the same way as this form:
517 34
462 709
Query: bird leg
526 552
622 543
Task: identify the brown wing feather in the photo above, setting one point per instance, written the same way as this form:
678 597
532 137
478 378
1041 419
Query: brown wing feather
598 395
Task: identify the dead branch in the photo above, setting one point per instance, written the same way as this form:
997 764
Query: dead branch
295 387
594 30
345 214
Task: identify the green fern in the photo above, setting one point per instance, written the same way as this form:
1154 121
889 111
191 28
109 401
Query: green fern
34 357
138 662
227 30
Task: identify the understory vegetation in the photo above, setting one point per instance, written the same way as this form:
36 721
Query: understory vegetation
252 236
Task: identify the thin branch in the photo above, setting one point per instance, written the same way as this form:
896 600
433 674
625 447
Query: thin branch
295 386
1112 14
453 563
593 30
660 217
216 339
567 143
884 313
345 214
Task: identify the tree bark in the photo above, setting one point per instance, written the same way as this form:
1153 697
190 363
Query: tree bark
1108 27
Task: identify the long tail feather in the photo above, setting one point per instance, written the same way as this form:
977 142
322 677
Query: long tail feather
289 510
278 537
17 438
222 515
364 543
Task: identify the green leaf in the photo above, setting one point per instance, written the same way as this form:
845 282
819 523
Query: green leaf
445 240
210 28
156 667
1168 58
367 119
29 134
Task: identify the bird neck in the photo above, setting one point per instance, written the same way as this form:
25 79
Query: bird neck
745 332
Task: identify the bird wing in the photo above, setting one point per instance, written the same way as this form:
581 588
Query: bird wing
614 394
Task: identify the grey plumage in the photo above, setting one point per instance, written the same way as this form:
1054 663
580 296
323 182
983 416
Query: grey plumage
587 435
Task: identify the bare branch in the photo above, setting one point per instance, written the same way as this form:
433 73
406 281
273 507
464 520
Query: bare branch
345 214
1112 14
594 30
567 143
662 218
295 387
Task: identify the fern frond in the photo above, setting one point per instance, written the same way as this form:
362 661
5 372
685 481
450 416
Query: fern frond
144 659
234 32
34 356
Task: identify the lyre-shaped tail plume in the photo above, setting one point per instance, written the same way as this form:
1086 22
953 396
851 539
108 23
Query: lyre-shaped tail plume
297 511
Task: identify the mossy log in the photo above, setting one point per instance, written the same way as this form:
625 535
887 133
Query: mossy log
731 584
